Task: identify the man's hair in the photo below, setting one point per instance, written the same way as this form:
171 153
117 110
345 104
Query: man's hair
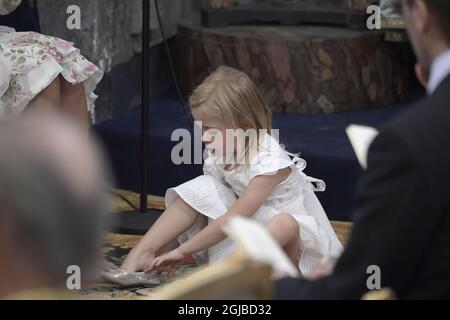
440 10
51 226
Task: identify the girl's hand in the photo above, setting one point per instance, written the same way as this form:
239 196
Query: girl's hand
168 261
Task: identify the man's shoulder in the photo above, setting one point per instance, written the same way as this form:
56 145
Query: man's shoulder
425 126
420 137
426 113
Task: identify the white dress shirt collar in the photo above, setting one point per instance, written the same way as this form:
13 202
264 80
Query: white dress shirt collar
440 69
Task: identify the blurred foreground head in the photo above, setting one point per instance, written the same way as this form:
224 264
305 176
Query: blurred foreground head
428 25
51 201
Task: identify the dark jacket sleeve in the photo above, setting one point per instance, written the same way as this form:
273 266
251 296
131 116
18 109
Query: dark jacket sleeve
392 229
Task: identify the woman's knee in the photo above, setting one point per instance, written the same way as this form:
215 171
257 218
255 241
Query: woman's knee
53 89
69 89
49 99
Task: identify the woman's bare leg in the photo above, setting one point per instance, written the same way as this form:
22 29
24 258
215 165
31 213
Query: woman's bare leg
285 230
175 220
48 100
74 104
61 96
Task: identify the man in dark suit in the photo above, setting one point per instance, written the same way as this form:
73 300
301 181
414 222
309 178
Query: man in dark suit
402 222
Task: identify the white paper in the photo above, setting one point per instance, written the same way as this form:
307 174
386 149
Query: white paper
254 238
361 137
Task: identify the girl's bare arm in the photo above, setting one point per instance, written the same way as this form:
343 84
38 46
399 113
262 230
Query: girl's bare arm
250 201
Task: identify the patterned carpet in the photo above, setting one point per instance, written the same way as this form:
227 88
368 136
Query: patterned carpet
116 247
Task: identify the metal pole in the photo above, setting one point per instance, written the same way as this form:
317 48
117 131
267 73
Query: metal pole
145 103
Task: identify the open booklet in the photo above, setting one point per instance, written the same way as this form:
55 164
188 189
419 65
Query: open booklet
253 238
361 137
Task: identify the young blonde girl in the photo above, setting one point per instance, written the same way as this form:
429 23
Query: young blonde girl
267 186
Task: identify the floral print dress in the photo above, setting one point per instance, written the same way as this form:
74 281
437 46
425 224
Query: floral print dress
30 61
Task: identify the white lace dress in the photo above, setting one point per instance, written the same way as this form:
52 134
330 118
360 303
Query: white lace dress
30 61
213 193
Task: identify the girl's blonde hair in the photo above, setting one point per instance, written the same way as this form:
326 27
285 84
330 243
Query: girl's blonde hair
232 96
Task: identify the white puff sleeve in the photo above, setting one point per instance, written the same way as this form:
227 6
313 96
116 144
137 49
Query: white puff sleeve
210 168
269 163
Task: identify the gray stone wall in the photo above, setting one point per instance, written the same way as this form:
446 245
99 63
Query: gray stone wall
110 36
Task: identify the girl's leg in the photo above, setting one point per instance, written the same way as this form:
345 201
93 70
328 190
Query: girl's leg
74 104
175 220
48 100
285 230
